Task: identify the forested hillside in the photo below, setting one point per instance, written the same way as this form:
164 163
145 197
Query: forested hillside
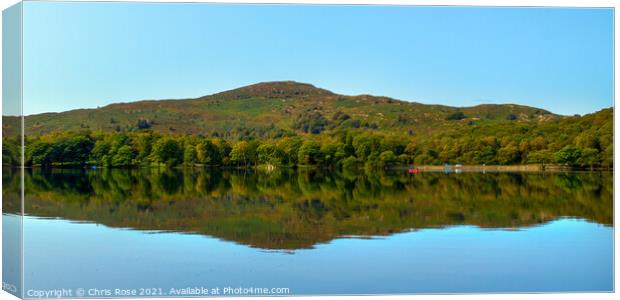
293 124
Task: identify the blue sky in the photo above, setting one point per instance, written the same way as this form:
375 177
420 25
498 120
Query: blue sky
84 55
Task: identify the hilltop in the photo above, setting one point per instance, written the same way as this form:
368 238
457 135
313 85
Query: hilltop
276 108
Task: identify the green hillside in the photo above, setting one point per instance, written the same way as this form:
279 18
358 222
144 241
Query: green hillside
272 108
295 124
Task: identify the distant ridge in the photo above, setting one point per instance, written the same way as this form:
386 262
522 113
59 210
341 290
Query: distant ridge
277 107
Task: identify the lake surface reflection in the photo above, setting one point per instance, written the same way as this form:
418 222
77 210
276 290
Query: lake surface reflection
315 232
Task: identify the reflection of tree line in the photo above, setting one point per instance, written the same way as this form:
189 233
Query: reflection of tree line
288 210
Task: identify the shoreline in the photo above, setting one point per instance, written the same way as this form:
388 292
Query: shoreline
423 168
506 168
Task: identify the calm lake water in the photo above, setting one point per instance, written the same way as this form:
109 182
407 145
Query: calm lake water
313 232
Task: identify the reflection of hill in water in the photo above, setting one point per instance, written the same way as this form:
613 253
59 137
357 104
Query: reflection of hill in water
293 210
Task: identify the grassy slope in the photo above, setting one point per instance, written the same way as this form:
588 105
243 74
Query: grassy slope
278 104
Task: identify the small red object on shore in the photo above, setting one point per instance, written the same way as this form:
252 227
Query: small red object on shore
414 171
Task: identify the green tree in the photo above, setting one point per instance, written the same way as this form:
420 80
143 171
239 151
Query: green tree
143 145
309 153
423 159
540 157
189 155
589 158
459 115
387 159
568 155
508 155
349 163
290 147
10 152
38 153
268 153
223 148
76 149
607 157
242 153
310 122
207 153
99 153
167 151
124 157
364 146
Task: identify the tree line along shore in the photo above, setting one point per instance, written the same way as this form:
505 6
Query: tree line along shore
339 149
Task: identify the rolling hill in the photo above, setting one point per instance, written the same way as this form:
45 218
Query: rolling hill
274 109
